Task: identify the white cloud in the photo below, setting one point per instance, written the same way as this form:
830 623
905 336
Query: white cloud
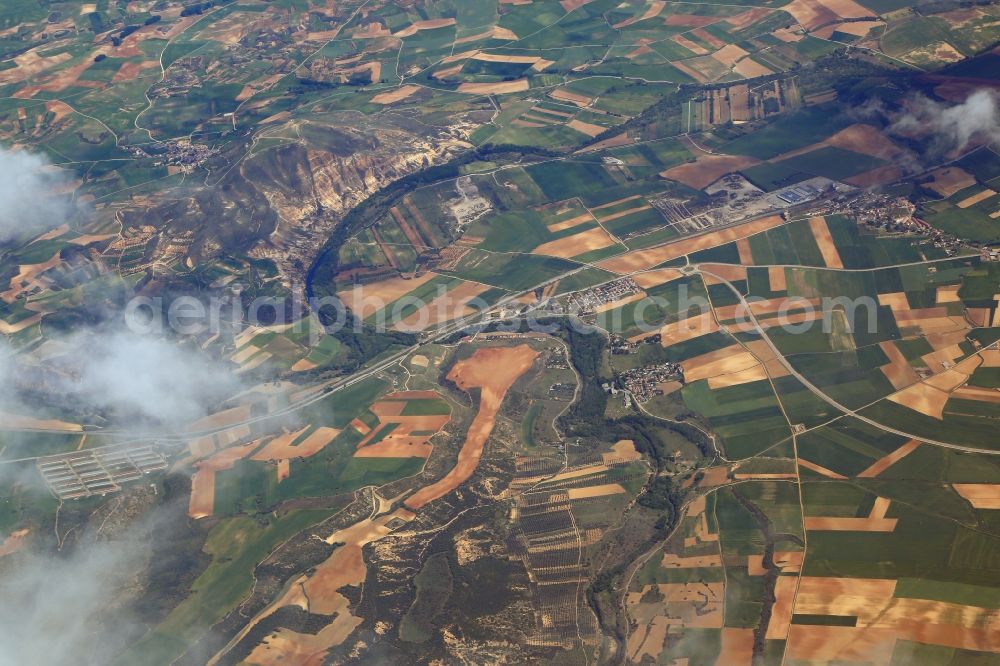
147 377
29 202
951 127
52 605
142 382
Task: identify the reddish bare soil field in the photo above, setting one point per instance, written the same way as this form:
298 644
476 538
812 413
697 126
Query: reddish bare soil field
493 370
707 169
280 448
400 442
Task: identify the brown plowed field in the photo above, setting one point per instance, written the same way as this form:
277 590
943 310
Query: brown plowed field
445 307
922 398
737 646
980 495
364 300
417 26
280 448
781 611
949 180
899 372
707 169
821 232
478 88
889 460
687 329
638 260
826 524
819 469
716 363
401 442
202 502
812 14
577 244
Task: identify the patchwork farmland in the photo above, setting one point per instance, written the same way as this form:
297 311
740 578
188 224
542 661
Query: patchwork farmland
500 331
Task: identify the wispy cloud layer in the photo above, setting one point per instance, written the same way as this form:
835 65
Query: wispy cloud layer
30 194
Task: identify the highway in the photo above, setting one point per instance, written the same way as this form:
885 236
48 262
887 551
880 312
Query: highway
325 388
332 386
826 398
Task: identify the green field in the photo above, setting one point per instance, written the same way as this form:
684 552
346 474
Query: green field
747 417
796 130
973 222
833 163
518 272
236 546
226 150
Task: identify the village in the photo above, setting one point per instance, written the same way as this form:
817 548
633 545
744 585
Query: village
592 300
646 382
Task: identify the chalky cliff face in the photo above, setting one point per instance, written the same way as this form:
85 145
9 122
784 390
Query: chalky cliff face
283 204
334 182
